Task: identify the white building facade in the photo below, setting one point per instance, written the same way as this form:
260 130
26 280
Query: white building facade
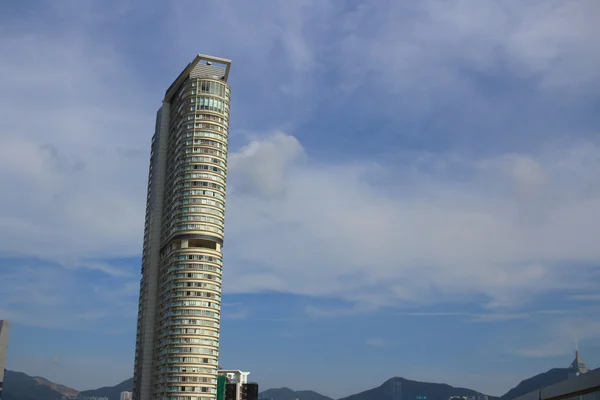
177 344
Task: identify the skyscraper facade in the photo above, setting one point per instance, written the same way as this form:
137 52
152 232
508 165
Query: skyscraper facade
177 343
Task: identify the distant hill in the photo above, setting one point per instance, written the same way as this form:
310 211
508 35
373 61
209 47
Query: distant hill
289 394
62 389
409 390
20 386
539 381
112 392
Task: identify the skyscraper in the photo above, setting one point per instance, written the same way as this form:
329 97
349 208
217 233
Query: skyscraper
3 347
177 343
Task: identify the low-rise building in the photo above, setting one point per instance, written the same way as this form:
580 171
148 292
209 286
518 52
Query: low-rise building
126 395
237 386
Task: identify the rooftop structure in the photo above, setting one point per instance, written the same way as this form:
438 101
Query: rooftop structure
578 366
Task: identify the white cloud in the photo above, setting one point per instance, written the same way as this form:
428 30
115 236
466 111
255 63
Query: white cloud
424 53
77 168
559 336
484 317
234 311
424 47
53 297
315 311
259 166
333 231
67 150
586 297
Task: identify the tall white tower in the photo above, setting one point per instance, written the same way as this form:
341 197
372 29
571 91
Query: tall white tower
177 344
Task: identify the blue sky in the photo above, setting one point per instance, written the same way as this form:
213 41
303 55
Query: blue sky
413 190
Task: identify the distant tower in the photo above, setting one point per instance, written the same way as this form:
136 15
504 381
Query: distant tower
577 367
396 388
3 346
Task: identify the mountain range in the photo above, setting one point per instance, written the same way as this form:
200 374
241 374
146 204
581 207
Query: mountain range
19 386
406 389
112 392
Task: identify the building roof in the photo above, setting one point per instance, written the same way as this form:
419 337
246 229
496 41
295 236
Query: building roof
203 66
